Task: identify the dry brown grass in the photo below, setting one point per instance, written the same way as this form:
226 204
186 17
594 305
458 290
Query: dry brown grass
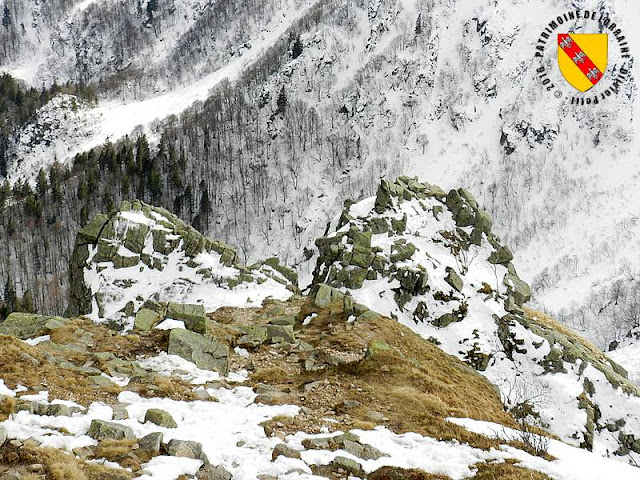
396 473
506 471
31 476
28 366
405 378
124 452
58 465
126 347
114 449
7 405
272 375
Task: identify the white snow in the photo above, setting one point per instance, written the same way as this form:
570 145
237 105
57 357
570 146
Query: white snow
170 324
571 463
629 358
229 430
4 390
37 340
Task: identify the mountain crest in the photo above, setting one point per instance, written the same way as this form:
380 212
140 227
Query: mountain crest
141 253
430 260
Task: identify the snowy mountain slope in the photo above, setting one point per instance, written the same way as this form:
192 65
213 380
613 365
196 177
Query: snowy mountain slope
431 261
130 48
111 120
447 90
321 402
142 254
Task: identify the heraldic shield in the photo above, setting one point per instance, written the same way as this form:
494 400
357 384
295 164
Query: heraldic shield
582 58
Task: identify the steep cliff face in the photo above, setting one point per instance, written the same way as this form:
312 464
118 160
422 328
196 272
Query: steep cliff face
143 253
431 261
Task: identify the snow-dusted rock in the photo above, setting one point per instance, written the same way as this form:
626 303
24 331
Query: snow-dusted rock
431 262
145 254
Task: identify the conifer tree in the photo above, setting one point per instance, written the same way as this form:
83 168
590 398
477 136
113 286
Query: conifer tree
10 294
296 49
27 303
281 102
42 185
6 17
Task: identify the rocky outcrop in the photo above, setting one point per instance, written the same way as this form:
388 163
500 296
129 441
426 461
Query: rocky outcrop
27 325
162 418
151 443
186 448
347 257
430 259
142 254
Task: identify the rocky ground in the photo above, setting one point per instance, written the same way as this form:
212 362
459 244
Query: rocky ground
340 365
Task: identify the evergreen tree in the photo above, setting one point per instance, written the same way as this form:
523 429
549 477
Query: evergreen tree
281 102
42 185
6 17
143 156
10 294
5 193
27 303
205 210
152 6
32 207
11 227
419 24
155 181
296 49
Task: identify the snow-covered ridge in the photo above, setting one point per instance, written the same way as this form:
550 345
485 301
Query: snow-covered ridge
430 260
144 253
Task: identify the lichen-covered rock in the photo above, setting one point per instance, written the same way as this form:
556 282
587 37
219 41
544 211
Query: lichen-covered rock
28 325
193 316
284 320
283 450
146 319
280 334
254 336
151 443
213 472
325 295
501 256
348 465
206 352
517 288
186 448
454 279
285 271
102 430
160 417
